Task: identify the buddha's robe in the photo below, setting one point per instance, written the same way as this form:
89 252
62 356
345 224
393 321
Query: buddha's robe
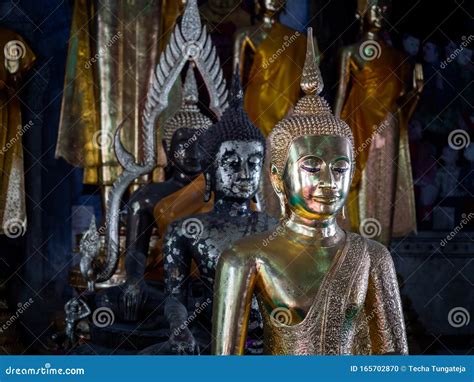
274 81
12 128
382 188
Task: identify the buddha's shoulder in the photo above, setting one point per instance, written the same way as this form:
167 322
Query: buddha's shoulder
248 248
376 251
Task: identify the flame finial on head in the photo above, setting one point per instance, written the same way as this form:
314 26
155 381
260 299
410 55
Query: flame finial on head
190 90
311 79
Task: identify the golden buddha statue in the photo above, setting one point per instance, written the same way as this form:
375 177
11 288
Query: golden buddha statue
16 58
270 59
374 99
106 81
320 289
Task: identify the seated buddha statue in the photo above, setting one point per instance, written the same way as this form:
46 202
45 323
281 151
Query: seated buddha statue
320 289
179 140
234 151
377 94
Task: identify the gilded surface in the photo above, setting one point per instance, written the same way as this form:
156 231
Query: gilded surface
273 86
321 289
12 184
106 82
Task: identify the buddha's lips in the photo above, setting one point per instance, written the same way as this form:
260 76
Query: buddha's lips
327 199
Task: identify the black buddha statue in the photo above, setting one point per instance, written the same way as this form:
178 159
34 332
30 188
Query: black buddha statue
233 152
184 164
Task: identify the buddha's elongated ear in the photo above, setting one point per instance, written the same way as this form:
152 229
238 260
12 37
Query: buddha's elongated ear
275 178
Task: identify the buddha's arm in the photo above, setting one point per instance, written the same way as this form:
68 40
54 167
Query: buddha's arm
344 77
241 41
383 306
233 289
409 99
177 268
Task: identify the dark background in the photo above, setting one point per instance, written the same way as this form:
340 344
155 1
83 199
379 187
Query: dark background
433 279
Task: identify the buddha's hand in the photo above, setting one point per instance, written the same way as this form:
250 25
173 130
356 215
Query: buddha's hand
182 342
132 299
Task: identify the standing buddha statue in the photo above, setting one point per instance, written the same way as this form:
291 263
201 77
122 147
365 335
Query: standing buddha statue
270 59
320 289
376 96
16 58
222 18
234 150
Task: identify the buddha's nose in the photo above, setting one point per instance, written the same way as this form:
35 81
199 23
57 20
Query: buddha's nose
327 180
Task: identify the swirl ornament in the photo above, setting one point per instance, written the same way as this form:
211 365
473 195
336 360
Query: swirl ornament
14 228
192 228
370 50
458 317
103 317
102 140
280 316
458 139
14 50
370 228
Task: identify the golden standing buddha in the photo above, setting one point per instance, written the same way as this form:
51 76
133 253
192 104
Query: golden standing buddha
320 289
270 60
372 98
16 58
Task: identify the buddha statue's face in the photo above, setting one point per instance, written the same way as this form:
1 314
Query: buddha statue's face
272 6
374 16
317 176
185 152
238 166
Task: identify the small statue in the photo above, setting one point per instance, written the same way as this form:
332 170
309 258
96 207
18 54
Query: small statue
75 309
235 150
321 290
378 91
